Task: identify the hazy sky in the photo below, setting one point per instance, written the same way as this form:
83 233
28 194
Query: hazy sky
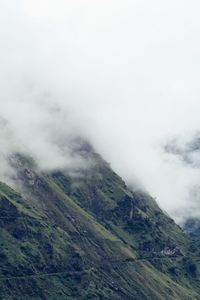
124 74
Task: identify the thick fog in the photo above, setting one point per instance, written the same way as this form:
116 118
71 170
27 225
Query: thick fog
123 74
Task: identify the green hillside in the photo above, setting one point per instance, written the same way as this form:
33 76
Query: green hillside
89 237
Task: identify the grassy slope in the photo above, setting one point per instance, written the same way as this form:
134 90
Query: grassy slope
90 239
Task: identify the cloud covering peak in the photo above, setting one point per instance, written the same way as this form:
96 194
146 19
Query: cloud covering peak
122 74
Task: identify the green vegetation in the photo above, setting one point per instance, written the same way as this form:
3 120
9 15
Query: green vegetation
90 238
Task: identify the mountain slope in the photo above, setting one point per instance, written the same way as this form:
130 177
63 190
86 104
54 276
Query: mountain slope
192 228
89 237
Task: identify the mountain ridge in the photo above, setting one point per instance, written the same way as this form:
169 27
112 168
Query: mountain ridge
89 237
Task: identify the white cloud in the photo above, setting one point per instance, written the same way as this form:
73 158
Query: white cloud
124 74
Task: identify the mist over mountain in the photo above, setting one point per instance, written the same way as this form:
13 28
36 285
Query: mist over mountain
99 150
124 76
187 151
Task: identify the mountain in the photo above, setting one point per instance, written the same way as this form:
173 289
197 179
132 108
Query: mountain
88 236
192 228
189 153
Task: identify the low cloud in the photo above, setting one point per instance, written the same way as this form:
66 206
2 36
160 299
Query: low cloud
122 74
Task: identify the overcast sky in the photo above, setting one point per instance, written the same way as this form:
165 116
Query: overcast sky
123 74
